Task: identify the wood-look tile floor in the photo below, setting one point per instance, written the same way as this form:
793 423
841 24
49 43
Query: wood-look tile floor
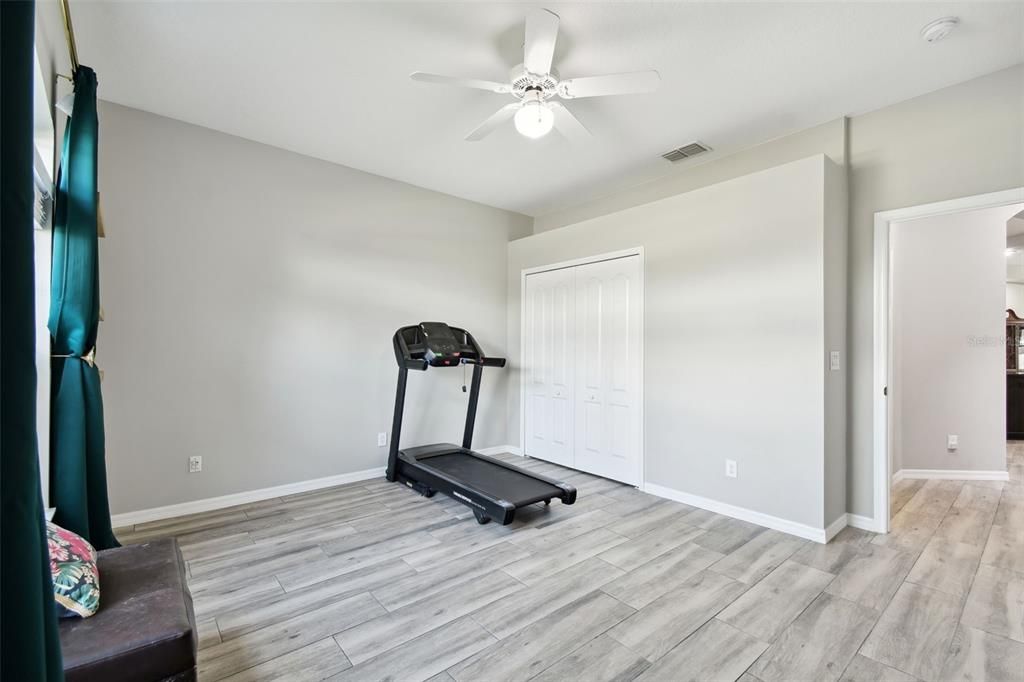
369 581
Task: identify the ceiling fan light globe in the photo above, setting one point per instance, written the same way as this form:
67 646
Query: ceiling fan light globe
534 120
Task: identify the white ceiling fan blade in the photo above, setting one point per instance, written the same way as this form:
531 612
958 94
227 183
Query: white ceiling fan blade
568 124
491 86
613 84
539 47
495 120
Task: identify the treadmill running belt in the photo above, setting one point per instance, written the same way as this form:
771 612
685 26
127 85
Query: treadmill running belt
492 479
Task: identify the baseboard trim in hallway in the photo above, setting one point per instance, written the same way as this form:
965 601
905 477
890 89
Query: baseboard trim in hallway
832 529
862 523
952 475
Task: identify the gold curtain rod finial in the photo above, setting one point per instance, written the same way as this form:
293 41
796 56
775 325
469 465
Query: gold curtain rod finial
69 32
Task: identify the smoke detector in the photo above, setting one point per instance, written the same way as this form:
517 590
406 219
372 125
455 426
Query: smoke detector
939 29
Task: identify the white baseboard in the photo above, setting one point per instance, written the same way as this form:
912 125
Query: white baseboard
213 503
832 529
767 520
862 522
501 449
952 474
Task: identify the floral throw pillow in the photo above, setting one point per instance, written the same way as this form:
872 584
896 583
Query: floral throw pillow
76 578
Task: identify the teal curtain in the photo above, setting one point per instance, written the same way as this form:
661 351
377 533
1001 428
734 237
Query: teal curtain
28 620
78 471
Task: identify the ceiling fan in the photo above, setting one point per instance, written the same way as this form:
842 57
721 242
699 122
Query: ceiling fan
535 85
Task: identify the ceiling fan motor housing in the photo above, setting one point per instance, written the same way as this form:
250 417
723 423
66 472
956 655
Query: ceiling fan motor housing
524 82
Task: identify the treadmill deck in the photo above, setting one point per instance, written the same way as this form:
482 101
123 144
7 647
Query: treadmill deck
493 488
493 479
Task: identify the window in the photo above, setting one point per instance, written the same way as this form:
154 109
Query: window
44 138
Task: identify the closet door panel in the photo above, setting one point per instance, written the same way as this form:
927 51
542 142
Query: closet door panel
590 431
608 385
621 363
548 354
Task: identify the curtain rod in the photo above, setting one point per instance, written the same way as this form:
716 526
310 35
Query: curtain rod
69 31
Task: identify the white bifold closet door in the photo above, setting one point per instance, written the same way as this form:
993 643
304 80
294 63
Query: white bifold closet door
607 411
582 362
549 364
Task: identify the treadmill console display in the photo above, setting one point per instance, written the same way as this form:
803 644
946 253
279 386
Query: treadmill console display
442 349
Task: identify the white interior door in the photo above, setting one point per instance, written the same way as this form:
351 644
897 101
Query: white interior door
607 406
549 365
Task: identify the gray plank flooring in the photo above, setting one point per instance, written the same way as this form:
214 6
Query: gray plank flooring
369 581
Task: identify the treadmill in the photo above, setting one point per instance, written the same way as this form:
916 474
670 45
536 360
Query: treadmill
490 487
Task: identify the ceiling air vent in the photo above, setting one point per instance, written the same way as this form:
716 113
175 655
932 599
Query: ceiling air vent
685 152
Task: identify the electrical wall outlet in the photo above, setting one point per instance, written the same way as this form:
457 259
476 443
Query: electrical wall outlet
833 361
382 439
195 465
730 468
952 442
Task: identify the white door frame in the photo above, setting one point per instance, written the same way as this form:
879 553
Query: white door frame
882 339
613 255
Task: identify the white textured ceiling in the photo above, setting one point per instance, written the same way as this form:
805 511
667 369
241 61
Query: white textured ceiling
330 80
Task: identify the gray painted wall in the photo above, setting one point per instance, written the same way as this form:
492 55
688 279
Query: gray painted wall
948 322
250 297
735 332
835 281
690 175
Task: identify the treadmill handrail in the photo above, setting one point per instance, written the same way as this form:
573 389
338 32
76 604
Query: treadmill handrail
487 362
404 357
481 358
417 364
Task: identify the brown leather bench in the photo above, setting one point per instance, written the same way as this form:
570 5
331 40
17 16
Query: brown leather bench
145 628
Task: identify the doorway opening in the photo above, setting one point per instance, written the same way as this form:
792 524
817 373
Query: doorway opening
939 363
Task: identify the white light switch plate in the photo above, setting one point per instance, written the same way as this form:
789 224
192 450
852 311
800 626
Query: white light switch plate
382 439
833 361
952 442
